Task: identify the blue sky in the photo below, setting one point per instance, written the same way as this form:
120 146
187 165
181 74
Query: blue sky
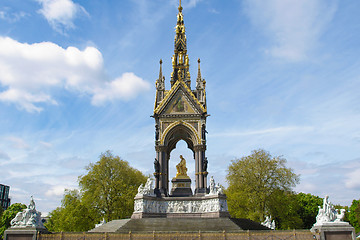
77 78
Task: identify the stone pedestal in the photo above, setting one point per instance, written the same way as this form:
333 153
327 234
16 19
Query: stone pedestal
334 231
209 206
28 233
181 187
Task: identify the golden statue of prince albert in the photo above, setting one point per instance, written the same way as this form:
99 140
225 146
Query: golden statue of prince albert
181 168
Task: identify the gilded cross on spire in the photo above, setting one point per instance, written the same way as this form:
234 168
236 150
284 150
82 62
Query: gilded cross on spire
180 7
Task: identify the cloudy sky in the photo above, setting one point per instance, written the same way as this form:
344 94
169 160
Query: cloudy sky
77 78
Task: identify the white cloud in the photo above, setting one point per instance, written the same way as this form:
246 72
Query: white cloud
29 72
55 191
4 156
352 179
124 87
60 13
18 143
46 145
25 99
276 130
191 3
11 17
187 3
294 26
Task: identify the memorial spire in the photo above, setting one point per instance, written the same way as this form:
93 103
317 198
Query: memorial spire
200 86
160 86
180 59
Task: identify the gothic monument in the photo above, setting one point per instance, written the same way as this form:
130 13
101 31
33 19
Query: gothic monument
180 114
169 203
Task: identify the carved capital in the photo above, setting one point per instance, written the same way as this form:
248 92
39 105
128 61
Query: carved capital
160 148
199 148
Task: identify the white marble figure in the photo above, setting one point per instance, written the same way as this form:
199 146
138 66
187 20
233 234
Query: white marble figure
328 214
340 217
219 189
29 217
213 188
102 222
268 223
147 190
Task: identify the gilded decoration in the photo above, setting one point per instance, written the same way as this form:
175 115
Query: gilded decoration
174 124
181 168
180 105
172 91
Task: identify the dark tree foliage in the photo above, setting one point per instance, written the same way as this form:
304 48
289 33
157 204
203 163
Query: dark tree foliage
354 215
284 208
308 208
8 215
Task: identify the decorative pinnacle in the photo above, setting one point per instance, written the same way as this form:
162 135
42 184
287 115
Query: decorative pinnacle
180 7
199 72
160 72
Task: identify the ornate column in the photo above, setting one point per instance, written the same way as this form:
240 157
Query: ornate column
201 179
197 177
163 170
200 172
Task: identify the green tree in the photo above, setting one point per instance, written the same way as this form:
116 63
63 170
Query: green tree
284 208
8 215
354 215
110 186
308 208
106 191
72 216
254 183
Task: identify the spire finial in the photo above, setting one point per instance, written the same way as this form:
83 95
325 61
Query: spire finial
180 7
160 72
199 72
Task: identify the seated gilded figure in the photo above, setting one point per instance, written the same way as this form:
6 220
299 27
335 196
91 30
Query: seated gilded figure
181 168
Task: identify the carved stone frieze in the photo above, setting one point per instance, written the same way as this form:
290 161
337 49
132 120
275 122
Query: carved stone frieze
143 205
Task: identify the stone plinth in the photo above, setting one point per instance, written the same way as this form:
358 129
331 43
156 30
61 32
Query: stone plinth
334 231
171 225
209 206
181 187
25 233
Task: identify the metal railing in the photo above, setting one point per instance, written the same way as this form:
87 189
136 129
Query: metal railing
246 235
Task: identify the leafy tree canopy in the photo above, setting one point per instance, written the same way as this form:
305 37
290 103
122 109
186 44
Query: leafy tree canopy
354 215
283 208
106 191
110 186
255 184
308 208
8 215
72 216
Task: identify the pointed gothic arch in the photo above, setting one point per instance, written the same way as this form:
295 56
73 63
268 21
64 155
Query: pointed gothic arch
175 132
180 131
